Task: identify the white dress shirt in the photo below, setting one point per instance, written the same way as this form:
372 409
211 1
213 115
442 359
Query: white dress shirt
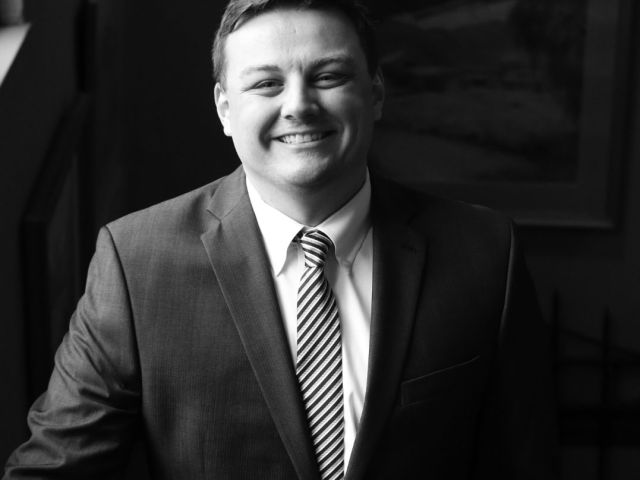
349 273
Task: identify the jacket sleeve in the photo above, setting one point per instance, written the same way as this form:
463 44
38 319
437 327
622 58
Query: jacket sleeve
84 424
518 437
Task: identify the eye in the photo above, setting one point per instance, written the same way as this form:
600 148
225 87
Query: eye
330 79
269 84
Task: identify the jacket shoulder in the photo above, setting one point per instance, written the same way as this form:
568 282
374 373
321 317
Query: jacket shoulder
444 219
184 214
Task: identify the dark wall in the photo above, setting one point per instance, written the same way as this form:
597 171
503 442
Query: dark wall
156 133
174 142
38 90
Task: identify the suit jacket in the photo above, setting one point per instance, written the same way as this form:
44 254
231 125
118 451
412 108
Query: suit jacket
178 340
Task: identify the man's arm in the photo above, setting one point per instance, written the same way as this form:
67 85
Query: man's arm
83 425
518 431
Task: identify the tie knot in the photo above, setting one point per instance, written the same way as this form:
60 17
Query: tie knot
315 245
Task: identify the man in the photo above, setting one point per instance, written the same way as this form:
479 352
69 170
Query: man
299 319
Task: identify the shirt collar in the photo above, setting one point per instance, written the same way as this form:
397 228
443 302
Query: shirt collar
347 227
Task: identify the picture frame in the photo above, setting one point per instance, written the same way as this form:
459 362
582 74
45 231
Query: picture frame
519 105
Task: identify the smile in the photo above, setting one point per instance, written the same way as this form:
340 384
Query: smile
299 138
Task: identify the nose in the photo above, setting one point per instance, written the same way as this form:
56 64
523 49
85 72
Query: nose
299 101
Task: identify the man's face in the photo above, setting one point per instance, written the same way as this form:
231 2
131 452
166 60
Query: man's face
298 100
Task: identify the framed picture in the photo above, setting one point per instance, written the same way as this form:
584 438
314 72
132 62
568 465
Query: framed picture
515 104
51 249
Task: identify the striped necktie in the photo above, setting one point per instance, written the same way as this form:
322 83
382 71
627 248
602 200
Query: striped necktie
319 364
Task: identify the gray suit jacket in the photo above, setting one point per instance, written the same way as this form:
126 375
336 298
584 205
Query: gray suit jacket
178 340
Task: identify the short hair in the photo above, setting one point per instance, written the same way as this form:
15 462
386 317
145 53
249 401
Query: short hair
238 12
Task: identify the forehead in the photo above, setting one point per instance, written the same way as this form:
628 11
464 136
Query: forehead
288 36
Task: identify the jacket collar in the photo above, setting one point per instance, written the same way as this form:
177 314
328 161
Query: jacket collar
399 253
240 263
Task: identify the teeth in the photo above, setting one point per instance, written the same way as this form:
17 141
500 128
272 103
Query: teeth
302 138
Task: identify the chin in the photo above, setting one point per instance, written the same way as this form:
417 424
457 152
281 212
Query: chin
320 179
306 181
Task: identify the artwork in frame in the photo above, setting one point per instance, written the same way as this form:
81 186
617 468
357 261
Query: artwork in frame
514 104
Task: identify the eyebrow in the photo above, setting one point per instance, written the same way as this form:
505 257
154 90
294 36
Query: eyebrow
347 60
258 69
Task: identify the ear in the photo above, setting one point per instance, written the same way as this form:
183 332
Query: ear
222 107
378 94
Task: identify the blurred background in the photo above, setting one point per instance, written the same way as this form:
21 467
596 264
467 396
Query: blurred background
528 106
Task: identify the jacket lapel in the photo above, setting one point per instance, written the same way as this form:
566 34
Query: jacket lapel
237 255
398 264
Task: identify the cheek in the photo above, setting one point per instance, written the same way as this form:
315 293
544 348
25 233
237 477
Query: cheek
358 118
255 121
352 107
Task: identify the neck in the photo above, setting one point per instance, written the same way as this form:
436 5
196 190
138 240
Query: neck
308 206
